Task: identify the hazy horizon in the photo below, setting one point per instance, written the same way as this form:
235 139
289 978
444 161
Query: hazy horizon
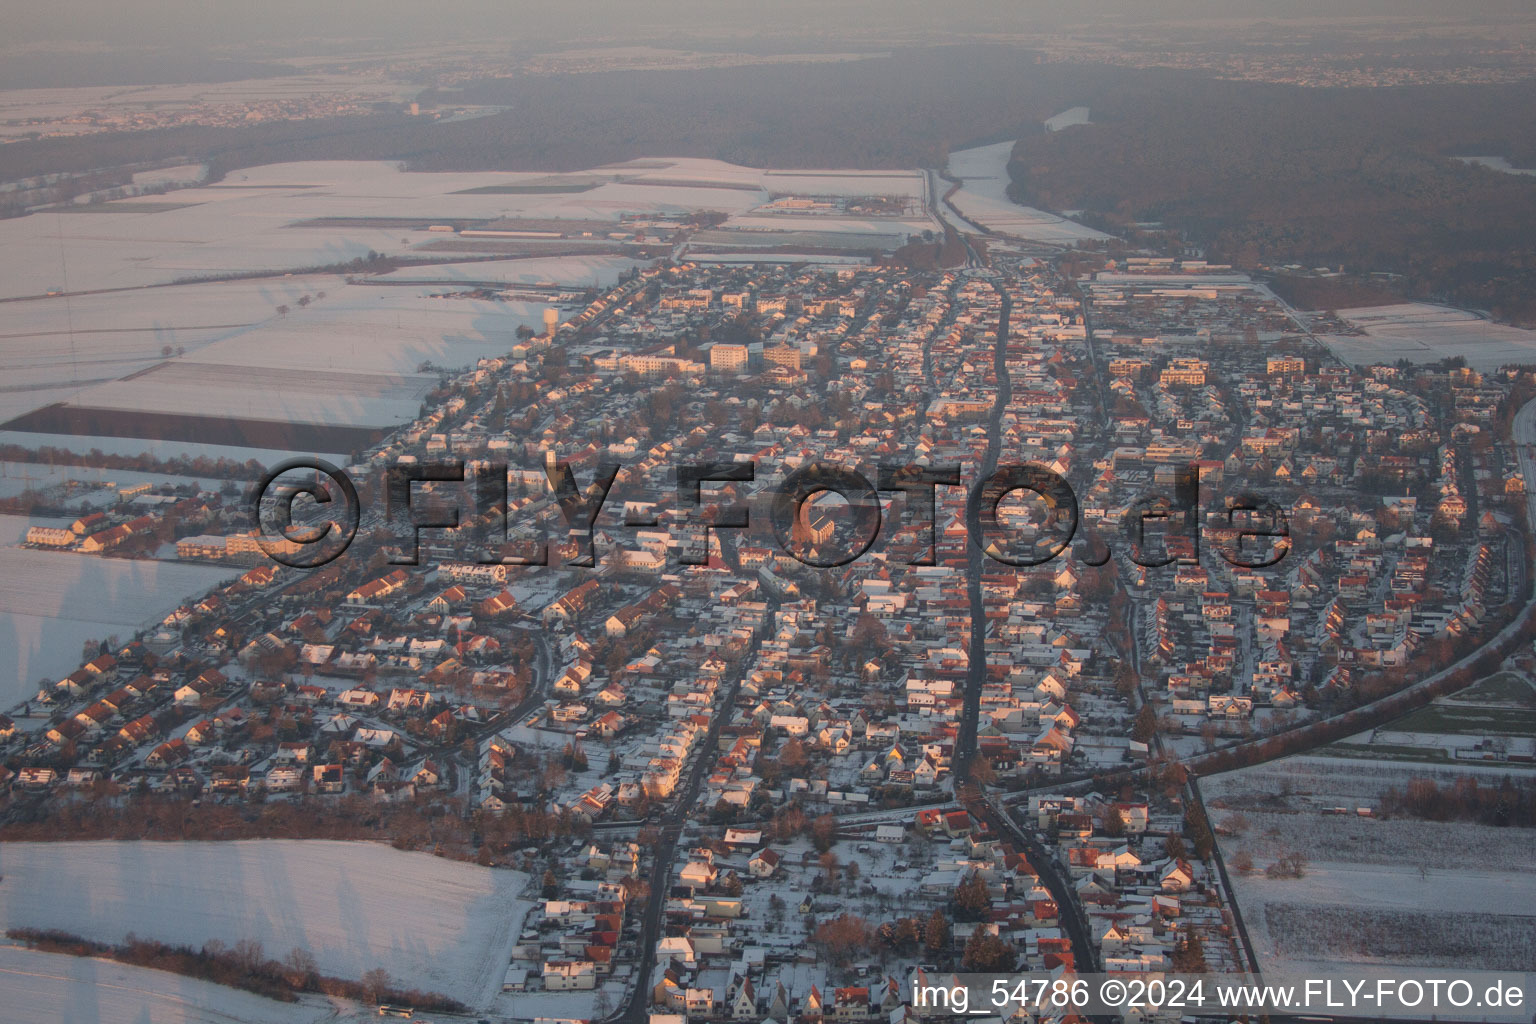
297 27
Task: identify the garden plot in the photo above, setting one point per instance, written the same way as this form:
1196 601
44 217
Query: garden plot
433 924
54 601
44 988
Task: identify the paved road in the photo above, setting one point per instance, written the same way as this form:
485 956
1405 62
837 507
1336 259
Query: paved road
976 673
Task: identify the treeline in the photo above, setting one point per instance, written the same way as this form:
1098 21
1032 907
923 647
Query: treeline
105 815
1506 804
177 465
243 966
1270 174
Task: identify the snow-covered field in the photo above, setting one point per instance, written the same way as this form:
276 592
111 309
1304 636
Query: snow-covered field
1397 914
1377 895
130 346
983 199
54 348
1496 163
52 988
1069 118
53 601
252 220
1426 333
433 924
350 358
770 257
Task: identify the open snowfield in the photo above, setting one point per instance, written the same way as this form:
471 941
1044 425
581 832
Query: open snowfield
52 988
253 219
1069 118
352 358
53 601
1342 914
367 329
774 257
983 199
1426 333
291 395
53 348
1496 163
754 222
434 924
1378 896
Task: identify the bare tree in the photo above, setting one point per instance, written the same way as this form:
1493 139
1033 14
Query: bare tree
376 984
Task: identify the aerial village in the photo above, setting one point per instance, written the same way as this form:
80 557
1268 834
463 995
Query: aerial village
750 787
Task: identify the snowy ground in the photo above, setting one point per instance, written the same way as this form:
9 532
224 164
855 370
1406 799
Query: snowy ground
1426 333
1315 782
54 600
13 529
155 449
1496 163
434 924
52 988
560 1005
1377 895
251 221
1390 915
984 199
1069 118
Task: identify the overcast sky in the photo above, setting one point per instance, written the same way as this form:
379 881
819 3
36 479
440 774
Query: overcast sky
297 23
